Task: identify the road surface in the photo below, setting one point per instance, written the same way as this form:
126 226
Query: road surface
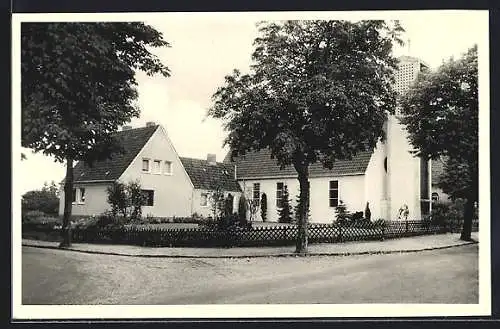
66 277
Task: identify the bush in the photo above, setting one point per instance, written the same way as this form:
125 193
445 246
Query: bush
32 215
368 213
117 199
231 222
263 207
136 199
45 200
341 214
440 214
285 212
242 208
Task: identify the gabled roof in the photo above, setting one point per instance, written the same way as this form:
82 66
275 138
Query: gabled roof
206 176
259 165
132 140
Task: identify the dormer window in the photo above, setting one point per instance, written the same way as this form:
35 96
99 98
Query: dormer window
145 165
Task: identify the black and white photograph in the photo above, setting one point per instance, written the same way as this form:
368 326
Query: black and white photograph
251 164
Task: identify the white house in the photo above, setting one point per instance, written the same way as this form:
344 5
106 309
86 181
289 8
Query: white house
174 186
387 177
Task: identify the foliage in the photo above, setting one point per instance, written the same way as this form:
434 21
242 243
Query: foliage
318 91
285 212
253 208
136 199
341 213
440 213
297 212
228 205
441 112
79 83
263 207
242 208
217 201
117 199
34 216
368 213
403 212
78 86
45 200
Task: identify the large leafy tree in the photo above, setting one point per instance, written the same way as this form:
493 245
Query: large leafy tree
441 114
79 86
318 91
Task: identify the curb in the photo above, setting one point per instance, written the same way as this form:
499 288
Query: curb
291 254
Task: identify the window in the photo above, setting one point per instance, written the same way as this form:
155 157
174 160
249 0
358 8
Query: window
435 197
82 195
334 193
204 200
157 166
145 165
256 193
149 196
279 195
167 168
73 195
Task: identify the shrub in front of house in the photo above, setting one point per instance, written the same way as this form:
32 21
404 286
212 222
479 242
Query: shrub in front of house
242 208
341 214
31 215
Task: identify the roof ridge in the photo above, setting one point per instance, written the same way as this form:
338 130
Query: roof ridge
204 160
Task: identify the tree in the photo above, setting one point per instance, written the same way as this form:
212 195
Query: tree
217 201
317 91
253 208
78 87
117 198
228 205
45 200
263 207
136 199
368 213
285 211
440 112
242 209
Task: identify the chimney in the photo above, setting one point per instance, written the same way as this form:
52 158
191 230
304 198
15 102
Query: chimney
150 124
126 127
211 158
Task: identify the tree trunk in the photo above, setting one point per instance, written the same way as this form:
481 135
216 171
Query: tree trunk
468 215
68 201
302 237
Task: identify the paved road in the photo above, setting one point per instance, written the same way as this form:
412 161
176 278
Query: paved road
65 277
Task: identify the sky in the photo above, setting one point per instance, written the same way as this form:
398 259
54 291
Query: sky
207 47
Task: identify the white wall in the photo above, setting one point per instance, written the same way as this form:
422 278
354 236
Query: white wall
206 211
351 192
173 193
404 173
375 180
95 200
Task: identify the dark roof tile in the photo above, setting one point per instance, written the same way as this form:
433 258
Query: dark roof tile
206 176
259 165
132 140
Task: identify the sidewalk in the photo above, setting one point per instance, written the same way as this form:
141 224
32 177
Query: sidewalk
413 244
